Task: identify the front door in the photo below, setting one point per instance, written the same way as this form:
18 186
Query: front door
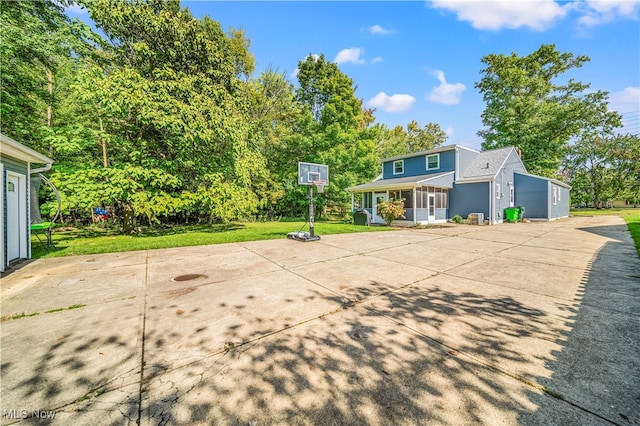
15 209
379 197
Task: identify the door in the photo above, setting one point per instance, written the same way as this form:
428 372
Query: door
15 233
432 207
379 197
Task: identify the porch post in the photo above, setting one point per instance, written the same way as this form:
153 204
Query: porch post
415 210
352 202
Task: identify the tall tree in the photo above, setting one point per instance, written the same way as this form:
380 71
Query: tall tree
39 44
527 107
412 138
334 131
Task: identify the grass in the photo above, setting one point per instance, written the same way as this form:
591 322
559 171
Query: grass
630 215
95 240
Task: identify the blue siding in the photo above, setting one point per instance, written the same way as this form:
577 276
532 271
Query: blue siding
469 198
533 194
417 166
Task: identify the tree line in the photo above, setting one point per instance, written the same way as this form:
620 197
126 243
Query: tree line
162 118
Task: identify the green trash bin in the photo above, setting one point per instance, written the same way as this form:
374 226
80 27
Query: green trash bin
511 214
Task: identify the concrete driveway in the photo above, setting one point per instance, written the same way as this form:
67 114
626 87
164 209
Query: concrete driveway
533 324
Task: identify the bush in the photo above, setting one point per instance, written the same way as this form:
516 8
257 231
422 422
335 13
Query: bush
457 219
391 210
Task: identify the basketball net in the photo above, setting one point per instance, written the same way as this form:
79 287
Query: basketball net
320 184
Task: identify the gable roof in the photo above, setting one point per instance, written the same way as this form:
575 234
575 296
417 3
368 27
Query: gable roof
486 165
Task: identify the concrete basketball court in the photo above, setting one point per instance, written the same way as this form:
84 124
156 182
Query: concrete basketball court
529 323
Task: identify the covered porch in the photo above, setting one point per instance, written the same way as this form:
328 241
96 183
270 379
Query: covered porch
426 197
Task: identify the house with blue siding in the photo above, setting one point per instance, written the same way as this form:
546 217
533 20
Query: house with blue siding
455 180
16 162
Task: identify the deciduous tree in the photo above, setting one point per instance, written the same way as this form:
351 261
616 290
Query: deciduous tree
532 105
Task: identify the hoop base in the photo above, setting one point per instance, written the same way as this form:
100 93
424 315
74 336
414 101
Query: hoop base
302 236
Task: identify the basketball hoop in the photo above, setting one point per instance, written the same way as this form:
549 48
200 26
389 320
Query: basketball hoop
320 184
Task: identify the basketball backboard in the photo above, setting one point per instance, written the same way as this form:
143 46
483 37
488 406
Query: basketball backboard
311 172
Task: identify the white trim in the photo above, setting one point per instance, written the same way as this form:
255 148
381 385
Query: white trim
393 166
426 158
23 209
415 208
13 149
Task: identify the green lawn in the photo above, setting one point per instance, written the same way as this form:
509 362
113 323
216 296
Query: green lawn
94 240
630 215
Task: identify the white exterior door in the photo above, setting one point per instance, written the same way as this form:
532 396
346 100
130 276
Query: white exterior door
16 217
432 207
378 198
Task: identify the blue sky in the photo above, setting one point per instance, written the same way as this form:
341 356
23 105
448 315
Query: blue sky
420 60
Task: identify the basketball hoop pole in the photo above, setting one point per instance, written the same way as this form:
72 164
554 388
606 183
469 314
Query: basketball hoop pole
311 218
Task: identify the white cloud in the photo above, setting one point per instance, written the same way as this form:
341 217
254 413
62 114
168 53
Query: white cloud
378 30
446 93
496 15
377 59
449 132
393 103
629 97
596 12
351 55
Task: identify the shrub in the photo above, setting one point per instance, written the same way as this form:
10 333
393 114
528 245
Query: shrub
457 219
391 210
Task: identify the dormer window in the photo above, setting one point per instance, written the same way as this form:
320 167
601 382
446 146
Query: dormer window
433 162
398 167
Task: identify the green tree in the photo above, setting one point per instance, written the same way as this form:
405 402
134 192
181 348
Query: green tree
171 95
528 108
334 131
400 140
39 46
601 169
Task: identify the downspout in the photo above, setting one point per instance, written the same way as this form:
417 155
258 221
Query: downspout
46 168
491 202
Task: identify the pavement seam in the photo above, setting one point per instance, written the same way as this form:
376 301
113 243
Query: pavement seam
144 326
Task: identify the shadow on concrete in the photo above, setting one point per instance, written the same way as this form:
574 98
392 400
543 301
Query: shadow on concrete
598 369
357 366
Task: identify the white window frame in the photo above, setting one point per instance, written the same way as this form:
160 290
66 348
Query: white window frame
437 158
512 196
498 193
394 167
554 191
